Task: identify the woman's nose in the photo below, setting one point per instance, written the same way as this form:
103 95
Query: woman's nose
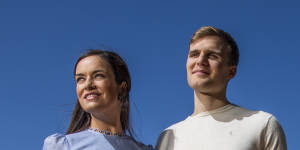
90 84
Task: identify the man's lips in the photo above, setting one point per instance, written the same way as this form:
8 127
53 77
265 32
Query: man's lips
201 72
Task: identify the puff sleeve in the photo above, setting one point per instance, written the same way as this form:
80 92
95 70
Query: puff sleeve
56 142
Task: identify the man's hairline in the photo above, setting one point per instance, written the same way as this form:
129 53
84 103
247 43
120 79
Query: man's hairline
224 42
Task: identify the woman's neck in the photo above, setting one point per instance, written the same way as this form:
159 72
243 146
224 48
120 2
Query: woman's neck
106 124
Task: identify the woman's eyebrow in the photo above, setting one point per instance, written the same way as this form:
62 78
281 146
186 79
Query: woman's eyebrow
79 74
95 71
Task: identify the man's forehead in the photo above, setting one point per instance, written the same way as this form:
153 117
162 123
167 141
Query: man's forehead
208 42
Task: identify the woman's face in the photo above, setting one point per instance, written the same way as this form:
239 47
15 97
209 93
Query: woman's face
96 86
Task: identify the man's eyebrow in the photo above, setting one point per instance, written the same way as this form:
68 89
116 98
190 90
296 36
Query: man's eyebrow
193 50
215 51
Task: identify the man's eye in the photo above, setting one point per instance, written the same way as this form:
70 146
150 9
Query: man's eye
193 54
213 56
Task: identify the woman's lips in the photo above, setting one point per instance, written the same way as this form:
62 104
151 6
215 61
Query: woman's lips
91 96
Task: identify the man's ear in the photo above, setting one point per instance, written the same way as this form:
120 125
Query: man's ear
232 72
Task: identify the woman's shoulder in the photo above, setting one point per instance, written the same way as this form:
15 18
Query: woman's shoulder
145 147
140 145
92 139
56 141
64 141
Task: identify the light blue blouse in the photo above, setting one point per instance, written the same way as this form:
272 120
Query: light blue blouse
91 140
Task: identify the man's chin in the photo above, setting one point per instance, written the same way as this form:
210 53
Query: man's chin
200 86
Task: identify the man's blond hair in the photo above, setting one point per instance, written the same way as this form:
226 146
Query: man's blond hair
226 37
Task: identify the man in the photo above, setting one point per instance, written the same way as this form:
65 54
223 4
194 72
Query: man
215 123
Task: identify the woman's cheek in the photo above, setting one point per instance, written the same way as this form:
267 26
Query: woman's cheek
78 91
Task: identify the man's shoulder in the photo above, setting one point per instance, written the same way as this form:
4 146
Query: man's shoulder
239 113
234 115
252 114
177 125
272 133
166 139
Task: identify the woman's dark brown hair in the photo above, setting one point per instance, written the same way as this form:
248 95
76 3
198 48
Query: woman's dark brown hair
81 119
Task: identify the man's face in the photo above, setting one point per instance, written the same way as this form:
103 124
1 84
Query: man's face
207 65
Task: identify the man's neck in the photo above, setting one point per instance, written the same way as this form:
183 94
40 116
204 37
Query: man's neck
206 102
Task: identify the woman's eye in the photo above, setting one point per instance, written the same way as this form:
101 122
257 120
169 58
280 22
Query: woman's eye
99 76
80 79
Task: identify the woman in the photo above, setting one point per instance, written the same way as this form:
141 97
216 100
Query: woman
100 119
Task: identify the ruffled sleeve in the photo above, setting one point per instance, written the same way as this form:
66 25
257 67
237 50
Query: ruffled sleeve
56 142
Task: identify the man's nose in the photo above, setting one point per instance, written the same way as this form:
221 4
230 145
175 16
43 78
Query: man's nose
202 60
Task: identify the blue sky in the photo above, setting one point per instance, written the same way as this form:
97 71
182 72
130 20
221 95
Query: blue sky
41 40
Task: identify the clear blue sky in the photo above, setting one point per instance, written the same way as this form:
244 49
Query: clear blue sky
41 40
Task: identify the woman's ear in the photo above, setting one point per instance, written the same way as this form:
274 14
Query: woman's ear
122 91
123 87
